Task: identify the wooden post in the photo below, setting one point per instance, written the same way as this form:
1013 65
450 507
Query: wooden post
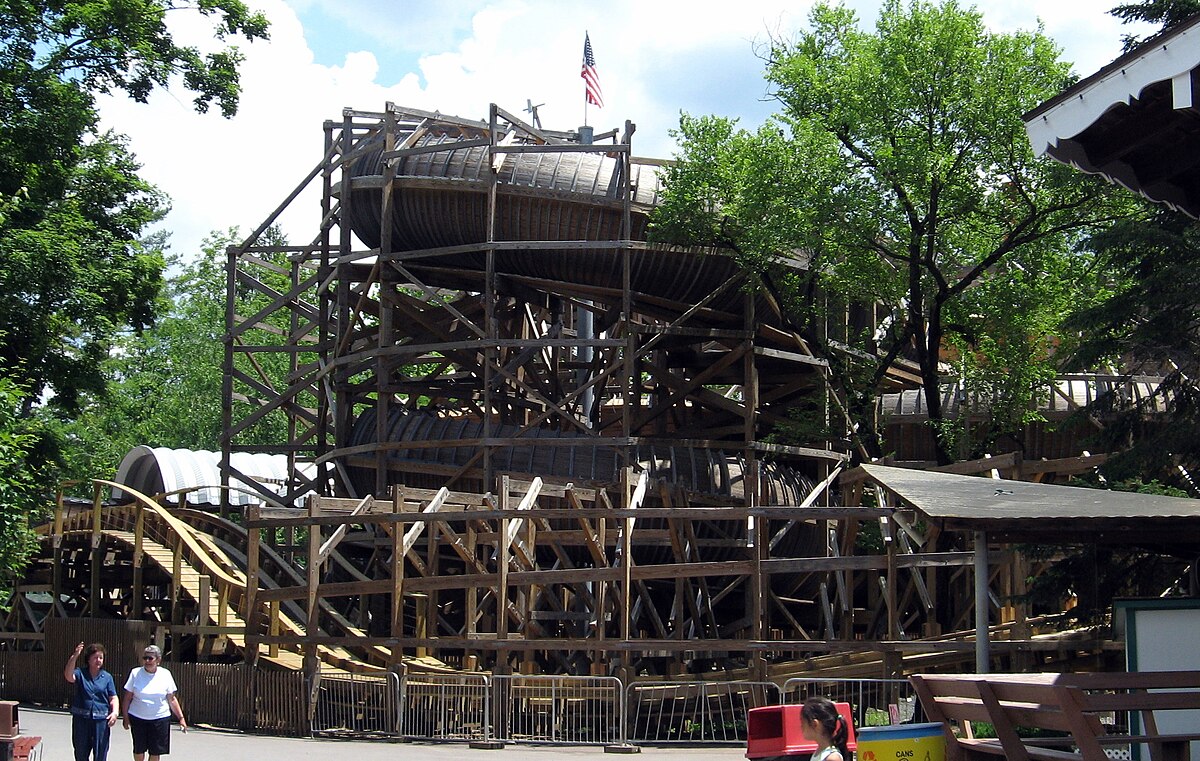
422 623
93 606
893 614
176 582
759 610
472 604
203 616
490 348
313 568
385 333
273 628
223 602
136 611
250 614
396 630
56 578
432 564
502 558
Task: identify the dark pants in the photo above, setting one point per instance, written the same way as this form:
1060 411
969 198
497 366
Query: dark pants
90 738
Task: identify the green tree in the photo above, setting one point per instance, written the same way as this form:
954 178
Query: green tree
1149 326
72 208
1168 13
75 274
163 385
106 45
21 466
899 166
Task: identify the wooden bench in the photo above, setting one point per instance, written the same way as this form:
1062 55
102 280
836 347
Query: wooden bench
1070 704
24 747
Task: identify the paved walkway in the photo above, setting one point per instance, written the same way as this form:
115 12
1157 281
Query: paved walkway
54 727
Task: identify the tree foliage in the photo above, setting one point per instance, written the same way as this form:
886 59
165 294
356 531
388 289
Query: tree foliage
1167 13
73 272
107 45
22 464
76 273
900 167
163 385
1148 327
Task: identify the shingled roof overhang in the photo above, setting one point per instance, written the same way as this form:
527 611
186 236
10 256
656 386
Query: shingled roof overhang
1135 122
1020 511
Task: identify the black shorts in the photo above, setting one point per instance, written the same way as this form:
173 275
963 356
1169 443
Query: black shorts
151 736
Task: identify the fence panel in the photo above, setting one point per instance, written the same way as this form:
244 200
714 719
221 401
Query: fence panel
580 710
871 700
357 704
445 707
280 703
214 693
678 712
32 677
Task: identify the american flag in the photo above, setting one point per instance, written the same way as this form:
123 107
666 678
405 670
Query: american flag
590 78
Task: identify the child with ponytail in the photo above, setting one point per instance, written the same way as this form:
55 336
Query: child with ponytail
821 723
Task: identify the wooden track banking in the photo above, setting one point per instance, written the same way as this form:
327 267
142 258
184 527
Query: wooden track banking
201 556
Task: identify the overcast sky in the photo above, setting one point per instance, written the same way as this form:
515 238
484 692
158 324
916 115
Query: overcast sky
655 58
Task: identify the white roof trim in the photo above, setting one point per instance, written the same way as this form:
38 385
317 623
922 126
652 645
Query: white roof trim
1172 60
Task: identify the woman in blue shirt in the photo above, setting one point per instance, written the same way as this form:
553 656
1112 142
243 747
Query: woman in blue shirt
94 707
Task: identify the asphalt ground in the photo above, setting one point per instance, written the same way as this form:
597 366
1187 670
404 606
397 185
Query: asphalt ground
206 744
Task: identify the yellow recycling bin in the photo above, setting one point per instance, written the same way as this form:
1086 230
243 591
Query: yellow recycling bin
903 742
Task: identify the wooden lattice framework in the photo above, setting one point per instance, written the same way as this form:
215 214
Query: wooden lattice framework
384 331
491 337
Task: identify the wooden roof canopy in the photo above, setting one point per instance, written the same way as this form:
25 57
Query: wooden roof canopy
1135 122
1020 511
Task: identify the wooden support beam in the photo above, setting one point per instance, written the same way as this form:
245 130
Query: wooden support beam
250 613
398 539
340 532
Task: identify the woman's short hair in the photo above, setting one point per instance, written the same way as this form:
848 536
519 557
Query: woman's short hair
152 650
92 649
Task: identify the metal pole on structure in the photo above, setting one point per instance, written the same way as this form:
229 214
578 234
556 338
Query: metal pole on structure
584 330
982 657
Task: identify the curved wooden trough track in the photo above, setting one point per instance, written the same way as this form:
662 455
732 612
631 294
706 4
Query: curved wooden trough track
204 558
566 217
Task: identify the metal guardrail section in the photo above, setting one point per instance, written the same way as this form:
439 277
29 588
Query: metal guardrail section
357 704
679 712
870 699
583 710
216 693
445 707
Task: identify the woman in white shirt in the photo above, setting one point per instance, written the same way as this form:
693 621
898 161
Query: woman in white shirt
147 706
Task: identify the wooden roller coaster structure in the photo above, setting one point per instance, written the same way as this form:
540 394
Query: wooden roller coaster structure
532 440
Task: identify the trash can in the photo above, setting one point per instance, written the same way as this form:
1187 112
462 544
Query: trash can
773 733
902 742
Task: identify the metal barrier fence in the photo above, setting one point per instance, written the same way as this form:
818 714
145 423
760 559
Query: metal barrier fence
357 704
445 707
678 712
471 707
871 700
214 693
584 710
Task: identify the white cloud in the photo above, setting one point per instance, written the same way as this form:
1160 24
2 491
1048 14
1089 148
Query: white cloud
654 59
